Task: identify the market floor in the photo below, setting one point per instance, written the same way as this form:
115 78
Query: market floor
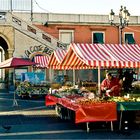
31 119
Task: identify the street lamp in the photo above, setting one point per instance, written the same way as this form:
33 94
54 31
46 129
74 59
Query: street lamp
123 18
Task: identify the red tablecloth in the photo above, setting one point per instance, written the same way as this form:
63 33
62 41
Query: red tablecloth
88 113
51 100
97 112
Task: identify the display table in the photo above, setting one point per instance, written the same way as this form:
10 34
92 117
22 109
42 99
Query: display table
126 106
51 100
91 113
87 113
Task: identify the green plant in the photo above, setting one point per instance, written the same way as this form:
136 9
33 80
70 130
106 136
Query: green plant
24 88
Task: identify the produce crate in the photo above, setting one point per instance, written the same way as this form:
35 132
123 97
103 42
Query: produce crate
55 85
91 86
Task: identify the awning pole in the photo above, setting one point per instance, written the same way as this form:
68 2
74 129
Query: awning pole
50 75
99 80
14 83
73 77
138 74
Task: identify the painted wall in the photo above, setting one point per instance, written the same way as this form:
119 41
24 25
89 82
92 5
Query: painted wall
26 46
83 33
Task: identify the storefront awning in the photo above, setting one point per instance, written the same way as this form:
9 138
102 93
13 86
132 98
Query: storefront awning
42 61
86 56
126 55
56 58
15 62
81 56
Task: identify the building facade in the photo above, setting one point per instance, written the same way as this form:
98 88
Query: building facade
21 37
90 29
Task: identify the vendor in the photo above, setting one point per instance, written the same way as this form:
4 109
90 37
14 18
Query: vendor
111 86
127 80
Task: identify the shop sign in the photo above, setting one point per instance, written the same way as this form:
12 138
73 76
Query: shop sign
38 48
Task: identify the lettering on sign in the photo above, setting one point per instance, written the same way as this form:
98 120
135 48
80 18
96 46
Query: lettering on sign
39 48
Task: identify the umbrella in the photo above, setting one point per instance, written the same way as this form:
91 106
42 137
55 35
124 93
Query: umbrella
15 62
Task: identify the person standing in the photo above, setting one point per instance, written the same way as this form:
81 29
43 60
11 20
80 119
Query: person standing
127 80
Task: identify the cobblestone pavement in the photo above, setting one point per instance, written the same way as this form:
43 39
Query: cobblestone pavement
31 119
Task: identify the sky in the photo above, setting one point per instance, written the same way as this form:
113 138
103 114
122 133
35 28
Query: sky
86 6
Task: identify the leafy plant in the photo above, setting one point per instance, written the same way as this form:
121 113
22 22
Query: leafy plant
24 88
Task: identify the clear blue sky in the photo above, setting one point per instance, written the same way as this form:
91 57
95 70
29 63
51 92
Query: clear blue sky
86 6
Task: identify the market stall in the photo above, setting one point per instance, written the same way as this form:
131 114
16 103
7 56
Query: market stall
34 84
99 56
90 56
13 63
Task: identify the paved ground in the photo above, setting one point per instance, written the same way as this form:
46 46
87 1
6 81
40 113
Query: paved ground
32 120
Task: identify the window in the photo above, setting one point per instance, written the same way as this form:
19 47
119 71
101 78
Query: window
98 37
66 36
129 38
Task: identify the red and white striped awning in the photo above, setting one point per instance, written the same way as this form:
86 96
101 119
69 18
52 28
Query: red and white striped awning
42 61
56 58
126 55
82 56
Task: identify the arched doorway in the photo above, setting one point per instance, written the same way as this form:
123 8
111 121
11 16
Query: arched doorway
3 56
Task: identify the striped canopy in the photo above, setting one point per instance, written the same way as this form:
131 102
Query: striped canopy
56 58
42 61
126 56
82 56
